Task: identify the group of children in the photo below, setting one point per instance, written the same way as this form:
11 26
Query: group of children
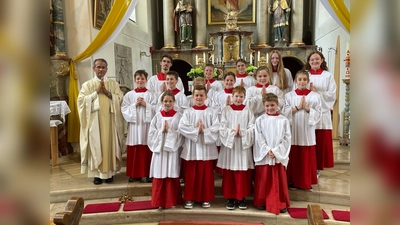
247 128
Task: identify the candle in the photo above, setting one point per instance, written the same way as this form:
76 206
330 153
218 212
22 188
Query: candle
204 57
245 58
267 56
217 60
197 59
258 56
212 58
251 60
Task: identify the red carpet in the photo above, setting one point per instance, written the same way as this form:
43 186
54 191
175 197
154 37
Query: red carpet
341 215
139 205
193 222
302 213
102 207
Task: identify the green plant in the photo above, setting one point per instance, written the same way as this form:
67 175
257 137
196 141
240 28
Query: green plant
250 69
195 72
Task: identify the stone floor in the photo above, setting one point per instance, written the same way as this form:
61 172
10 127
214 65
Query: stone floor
333 190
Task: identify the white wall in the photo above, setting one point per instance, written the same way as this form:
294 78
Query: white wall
327 31
80 32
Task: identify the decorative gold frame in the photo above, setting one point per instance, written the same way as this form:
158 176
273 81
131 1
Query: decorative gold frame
216 16
101 10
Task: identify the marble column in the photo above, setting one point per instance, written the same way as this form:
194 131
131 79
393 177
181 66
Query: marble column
297 23
168 24
201 19
262 23
58 26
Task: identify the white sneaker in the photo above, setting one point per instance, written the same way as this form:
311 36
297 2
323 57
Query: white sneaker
206 205
189 204
318 173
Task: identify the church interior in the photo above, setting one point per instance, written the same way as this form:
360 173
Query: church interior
134 35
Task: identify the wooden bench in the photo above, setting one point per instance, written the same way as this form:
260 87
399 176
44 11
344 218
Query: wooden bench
314 215
72 213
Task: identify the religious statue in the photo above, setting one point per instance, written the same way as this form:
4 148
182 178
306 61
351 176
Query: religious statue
184 12
281 12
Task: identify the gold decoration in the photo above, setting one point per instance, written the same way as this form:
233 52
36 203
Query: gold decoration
64 69
231 48
288 52
125 198
176 55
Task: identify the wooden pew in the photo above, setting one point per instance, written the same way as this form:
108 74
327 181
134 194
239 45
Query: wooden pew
314 215
72 213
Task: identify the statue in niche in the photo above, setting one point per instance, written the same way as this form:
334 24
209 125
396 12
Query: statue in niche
281 12
183 11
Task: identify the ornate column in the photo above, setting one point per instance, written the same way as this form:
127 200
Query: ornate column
59 70
58 26
201 9
345 140
296 23
168 25
262 23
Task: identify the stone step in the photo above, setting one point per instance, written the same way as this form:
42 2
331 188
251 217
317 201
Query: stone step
89 191
217 212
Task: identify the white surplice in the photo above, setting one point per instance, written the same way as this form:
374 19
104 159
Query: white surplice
248 81
302 123
236 151
154 84
254 98
138 117
199 146
272 133
288 77
181 102
165 161
326 87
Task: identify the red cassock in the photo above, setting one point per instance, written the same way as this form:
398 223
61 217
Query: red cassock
138 158
166 192
236 184
271 188
302 167
324 149
199 181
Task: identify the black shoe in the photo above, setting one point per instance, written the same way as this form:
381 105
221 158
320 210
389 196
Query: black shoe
230 204
131 179
292 187
260 207
97 181
110 180
149 180
283 210
242 204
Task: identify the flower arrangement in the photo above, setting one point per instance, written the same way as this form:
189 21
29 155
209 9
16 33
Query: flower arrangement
250 69
198 72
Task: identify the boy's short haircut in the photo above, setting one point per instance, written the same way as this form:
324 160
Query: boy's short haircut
166 56
140 73
239 89
209 65
305 72
230 74
167 93
172 73
270 97
200 88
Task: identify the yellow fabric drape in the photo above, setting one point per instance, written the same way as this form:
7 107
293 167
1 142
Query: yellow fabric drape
117 12
342 12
